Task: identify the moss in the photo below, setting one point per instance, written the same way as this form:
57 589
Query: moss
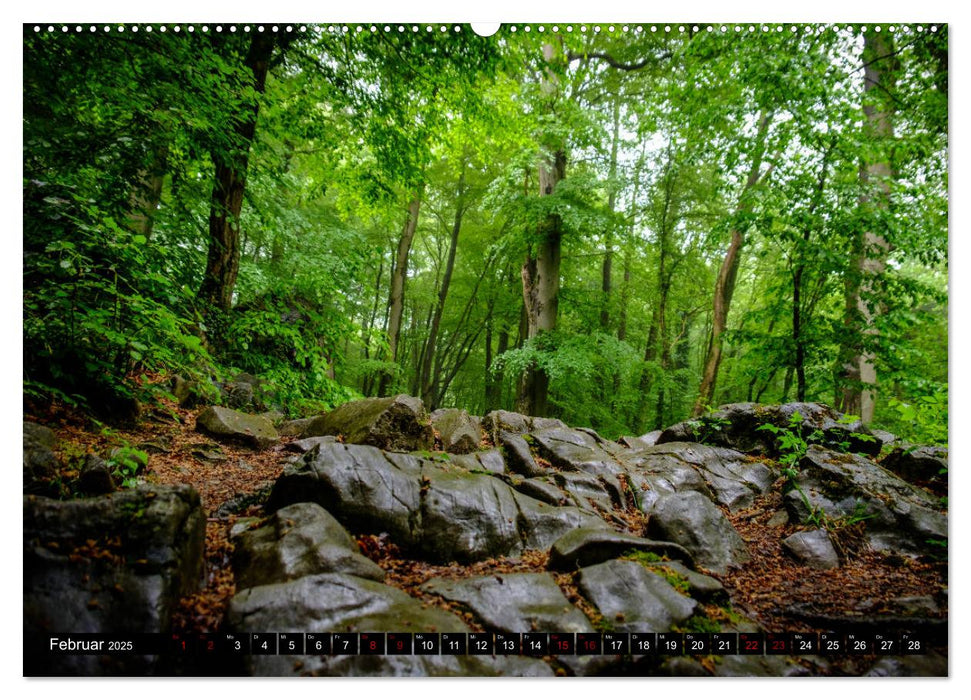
700 623
641 557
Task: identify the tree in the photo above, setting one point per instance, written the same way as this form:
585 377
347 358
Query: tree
871 246
222 264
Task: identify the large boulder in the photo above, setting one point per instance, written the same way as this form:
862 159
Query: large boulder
113 564
633 599
438 510
585 547
396 423
460 433
299 540
232 426
694 522
514 602
342 603
898 517
739 426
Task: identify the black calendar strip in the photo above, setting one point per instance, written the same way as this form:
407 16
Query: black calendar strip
491 644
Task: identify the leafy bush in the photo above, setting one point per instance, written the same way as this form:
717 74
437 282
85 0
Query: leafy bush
97 317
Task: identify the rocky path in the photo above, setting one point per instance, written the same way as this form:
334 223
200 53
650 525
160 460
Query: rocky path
443 528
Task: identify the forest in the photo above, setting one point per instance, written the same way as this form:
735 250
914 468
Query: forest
617 226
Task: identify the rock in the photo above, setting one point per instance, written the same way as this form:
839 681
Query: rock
187 393
487 461
397 423
779 518
633 599
812 548
426 506
694 522
341 603
209 453
917 464
514 602
95 478
576 450
587 490
923 666
518 456
656 471
299 540
307 444
357 485
112 564
897 517
738 666
40 462
294 428
467 517
585 547
541 489
731 478
460 432
700 586
227 424
275 417
737 426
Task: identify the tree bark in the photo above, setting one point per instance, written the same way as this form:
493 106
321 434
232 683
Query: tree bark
608 262
862 307
541 271
396 298
725 283
222 264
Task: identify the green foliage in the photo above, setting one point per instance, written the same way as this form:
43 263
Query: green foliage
353 124
97 319
125 462
922 421
790 442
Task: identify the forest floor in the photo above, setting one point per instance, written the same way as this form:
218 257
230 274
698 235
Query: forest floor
771 589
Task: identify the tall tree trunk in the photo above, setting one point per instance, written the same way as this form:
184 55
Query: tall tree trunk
428 389
725 283
222 264
862 306
396 298
369 326
608 262
541 271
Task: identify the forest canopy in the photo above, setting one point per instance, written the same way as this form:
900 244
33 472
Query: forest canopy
618 226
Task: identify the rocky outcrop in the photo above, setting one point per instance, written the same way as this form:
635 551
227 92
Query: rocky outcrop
694 522
342 603
428 507
739 426
117 563
233 426
397 423
898 517
299 540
